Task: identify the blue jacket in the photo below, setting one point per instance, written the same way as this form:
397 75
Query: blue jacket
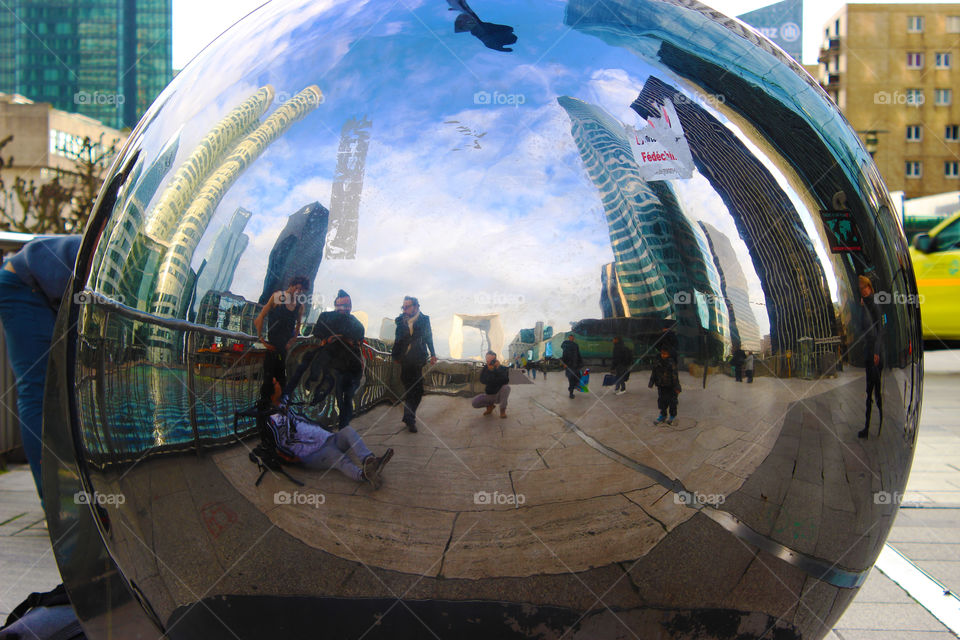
46 265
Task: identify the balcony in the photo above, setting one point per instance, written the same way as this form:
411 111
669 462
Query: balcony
828 49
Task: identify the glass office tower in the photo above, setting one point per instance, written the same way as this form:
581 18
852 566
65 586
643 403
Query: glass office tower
107 59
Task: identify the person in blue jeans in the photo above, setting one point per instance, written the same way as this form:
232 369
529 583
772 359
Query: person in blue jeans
32 283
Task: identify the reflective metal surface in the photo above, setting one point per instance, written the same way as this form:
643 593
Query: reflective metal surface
646 170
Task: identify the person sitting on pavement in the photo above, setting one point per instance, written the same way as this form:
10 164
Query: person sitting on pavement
665 376
496 377
309 444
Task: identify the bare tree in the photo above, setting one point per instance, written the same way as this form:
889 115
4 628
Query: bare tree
61 204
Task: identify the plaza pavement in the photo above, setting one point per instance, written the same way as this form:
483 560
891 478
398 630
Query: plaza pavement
927 529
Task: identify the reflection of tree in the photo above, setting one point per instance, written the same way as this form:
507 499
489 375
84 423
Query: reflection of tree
60 205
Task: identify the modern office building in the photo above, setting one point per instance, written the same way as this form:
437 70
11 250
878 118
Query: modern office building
346 190
893 71
791 276
107 59
220 264
298 251
47 142
662 263
744 330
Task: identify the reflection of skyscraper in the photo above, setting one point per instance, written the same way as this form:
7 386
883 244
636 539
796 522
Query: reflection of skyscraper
175 277
143 184
298 249
733 283
223 256
206 156
347 186
792 278
659 255
613 304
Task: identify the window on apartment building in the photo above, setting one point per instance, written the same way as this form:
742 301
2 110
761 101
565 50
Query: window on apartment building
942 97
913 169
943 60
953 24
914 132
952 133
951 169
914 60
836 27
915 97
914 24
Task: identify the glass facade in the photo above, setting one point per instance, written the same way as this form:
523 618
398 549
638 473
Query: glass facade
107 59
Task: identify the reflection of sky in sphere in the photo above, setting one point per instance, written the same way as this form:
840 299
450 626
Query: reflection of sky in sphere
474 208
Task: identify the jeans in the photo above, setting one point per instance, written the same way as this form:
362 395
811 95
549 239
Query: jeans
488 400
411 375
346 386
336 454
28 326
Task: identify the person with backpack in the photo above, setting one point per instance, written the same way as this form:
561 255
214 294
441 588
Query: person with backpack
667 380
299 441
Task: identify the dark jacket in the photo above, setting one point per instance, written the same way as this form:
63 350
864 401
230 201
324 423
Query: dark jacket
622 356
664 374
495 380
415 348
871 324
46 265
739 357
571 355
343 350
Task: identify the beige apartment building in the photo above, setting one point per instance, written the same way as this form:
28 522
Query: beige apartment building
894 70
46 140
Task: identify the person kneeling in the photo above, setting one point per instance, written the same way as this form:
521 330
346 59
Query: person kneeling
303 442
496 377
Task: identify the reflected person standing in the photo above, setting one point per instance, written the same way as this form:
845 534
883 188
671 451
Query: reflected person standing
572 362
871 327
283 315
412 343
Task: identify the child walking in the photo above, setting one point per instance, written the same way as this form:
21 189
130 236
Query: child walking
665 376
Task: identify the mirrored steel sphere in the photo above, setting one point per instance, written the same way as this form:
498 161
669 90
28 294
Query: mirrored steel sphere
511 320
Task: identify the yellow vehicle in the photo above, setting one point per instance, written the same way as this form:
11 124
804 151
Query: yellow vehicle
936 263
